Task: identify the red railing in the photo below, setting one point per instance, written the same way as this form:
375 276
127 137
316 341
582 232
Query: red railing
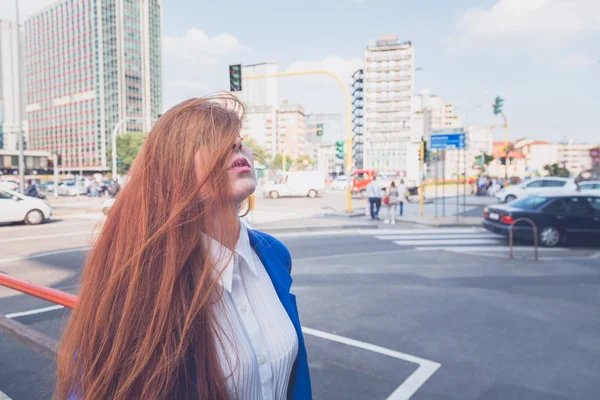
52 295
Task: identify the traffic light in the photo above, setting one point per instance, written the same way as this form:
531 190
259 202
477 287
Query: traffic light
59 160
319 129
235 78
339 150
498 105
503 160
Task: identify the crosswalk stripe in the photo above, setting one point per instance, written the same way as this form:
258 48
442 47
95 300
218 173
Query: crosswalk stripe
384 232
486 249
441 236
446 241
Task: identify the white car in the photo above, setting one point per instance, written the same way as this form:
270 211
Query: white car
340 183
15 207
538 186
591 187
71 188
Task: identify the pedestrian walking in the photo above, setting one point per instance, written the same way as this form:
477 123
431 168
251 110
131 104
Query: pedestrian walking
402 195
393 199
375 195
179 299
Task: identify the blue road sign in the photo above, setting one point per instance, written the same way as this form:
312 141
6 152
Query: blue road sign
448 141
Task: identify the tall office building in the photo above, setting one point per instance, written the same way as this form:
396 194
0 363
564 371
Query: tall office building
10 97
89 65
388 88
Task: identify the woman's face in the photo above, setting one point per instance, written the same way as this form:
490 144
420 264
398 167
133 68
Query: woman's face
241 171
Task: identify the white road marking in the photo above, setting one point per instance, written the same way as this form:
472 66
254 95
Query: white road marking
418 231
445 241
411 384
364 253
45 254
4 397
443 236
404 392
486 249
27 238
33 312
29 228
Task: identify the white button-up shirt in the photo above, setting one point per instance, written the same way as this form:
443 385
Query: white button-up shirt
260 343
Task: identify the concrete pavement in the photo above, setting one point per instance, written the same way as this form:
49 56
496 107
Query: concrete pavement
386 311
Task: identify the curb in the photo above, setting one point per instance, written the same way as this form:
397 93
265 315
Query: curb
312 228
62 213
434 224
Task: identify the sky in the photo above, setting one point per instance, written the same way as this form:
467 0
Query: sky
541 56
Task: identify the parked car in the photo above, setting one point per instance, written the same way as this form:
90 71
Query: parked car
589 187
560 218
340 183
15 207
71 188
9 184
47 187
538 186
296 183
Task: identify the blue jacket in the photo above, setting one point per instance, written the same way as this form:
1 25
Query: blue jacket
278 263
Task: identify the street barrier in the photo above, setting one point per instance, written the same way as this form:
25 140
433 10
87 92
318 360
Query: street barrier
535 237
31 338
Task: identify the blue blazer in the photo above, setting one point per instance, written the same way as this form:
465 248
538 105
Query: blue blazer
278 263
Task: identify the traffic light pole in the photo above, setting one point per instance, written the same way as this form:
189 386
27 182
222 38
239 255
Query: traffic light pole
505 150
348 119
422 185
55 161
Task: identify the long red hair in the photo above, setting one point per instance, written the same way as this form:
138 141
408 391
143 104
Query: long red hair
144 325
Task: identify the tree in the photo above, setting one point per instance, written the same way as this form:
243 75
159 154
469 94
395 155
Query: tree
257 149
557 170
483 160
128 146
300 162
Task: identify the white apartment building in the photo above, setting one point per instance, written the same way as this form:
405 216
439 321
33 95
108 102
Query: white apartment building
10 97
388 89
291 127
260 125
575 156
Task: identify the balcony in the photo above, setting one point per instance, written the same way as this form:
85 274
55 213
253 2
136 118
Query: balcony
381 88
389 109
397 78
377 58
388 118
386 68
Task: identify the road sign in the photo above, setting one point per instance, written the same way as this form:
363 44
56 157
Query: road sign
448 140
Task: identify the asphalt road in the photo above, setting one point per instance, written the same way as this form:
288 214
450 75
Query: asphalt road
388 313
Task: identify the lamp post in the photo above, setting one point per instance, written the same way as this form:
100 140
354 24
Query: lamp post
114 144
20 138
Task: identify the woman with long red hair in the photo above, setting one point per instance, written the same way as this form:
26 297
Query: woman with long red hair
179 300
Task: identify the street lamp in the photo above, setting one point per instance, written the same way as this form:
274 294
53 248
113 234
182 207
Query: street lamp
20 110
114 144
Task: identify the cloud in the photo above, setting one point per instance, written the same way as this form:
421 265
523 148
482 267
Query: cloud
196 45
544 23
194 59
342 67
575 60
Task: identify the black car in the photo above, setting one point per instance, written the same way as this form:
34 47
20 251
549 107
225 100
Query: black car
559 219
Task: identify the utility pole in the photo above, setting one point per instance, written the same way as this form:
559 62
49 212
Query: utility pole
422 173
20 139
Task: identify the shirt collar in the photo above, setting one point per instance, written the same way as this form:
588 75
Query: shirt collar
226 261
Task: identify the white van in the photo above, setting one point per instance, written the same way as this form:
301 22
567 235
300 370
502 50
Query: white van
296 183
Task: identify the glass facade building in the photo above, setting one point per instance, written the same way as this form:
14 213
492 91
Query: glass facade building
90 64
